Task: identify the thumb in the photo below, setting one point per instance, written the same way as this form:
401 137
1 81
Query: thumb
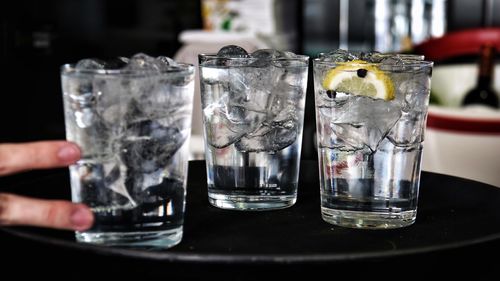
18 210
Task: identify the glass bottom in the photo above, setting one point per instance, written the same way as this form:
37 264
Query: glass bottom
251 202
141 239
368 220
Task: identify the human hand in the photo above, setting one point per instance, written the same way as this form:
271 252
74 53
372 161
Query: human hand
19 210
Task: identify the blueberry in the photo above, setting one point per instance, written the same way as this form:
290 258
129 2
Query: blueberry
362 72
331 94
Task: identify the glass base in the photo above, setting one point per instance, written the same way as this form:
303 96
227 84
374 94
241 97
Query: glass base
369 220
251 202
142 239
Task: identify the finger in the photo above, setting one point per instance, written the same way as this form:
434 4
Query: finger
37 155
18 210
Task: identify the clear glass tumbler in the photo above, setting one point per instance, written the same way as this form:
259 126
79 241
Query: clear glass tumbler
371 112
133 125
253 113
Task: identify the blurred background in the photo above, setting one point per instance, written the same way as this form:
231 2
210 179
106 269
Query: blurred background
37 37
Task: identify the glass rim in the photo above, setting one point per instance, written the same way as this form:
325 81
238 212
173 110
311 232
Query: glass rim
180 67
215 56
406 63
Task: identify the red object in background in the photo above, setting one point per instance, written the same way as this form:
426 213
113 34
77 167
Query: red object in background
459 43
453 45
463 124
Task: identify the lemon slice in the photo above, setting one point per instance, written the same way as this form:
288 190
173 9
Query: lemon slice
358 77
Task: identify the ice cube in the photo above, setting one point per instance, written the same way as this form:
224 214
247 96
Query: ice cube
373 57
144 154
82 103
239 100
344 56
363 122
232 51
115 180
338 56
85 117
144 62
112 100
102 184
253 85
283 105
90 64
269 138
267 54
148 146
112 114
347 136
240 108
393 60
170 190
137 182
134 112
95 64
116 63
409 129
414 98
416 92
166 61
226 124
264 57
151 179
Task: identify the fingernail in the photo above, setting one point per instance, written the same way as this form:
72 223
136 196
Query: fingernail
81 218
69 153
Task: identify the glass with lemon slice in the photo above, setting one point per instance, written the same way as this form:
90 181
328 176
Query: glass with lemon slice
370 115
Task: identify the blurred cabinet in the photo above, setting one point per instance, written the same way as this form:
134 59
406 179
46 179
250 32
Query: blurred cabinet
389 25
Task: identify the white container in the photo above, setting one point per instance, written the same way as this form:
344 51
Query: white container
463 142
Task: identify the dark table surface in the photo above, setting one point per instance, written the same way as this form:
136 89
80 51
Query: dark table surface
457 232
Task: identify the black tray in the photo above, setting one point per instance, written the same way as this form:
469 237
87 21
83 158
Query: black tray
458 220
